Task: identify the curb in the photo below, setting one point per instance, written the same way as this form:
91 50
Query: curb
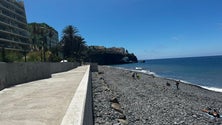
78 107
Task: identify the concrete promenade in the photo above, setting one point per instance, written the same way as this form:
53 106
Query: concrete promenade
42 102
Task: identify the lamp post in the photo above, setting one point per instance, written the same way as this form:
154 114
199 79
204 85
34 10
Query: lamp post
44 40
44 48
63 51
50 36
25 53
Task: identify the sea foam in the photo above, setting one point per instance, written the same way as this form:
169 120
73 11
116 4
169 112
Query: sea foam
212 88
183 81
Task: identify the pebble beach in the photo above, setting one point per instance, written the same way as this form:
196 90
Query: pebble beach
120 99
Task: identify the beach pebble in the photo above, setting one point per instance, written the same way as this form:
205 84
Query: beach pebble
149 101
117 107
123 121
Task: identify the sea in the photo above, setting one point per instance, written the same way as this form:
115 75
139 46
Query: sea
205 72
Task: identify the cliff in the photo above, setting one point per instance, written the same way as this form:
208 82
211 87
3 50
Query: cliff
108 56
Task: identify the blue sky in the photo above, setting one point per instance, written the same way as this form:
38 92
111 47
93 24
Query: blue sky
148 28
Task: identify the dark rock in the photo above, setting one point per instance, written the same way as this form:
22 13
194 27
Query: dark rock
114 100
122 117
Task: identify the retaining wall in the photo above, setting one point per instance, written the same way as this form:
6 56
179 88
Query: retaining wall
80 110
17 73
88 109
93 66
2 75
62 67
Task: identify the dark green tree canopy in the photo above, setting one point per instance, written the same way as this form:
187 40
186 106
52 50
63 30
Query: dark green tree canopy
73 43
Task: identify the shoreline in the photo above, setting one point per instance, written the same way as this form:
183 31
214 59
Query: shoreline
215 89
149 100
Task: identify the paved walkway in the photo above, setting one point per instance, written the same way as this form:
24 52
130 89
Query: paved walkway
42 102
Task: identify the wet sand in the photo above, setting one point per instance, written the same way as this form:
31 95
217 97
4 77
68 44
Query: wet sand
149 100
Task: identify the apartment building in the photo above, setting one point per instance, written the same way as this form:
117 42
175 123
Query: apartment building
41 35
13 26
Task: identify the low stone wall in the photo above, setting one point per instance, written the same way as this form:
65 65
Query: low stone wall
62 67
17 73
2 75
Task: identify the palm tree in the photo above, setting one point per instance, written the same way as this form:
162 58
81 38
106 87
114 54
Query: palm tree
74 44
69 41
80 46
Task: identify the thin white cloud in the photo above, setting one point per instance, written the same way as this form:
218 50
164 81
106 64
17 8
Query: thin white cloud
176 38
220 25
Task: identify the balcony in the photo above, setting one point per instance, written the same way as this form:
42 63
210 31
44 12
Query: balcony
22 15
12 26
14 34
15 4
13 19
15 42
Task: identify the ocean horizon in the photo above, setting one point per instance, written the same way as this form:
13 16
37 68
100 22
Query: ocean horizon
205 71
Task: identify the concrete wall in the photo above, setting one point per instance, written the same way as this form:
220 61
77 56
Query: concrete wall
61 67
80 110
17 73
88 112
93 66
2 75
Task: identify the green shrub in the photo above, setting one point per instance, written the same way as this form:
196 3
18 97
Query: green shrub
34 56
13 56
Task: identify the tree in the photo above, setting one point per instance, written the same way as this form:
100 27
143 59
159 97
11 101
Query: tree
73 43
50 36
55 53
79 48
34 56
44 38
13 56
68 39
34 35
3 55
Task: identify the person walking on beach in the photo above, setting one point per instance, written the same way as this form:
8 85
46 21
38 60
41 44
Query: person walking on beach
177 84
134 75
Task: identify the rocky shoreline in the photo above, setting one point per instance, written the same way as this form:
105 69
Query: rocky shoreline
120 99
